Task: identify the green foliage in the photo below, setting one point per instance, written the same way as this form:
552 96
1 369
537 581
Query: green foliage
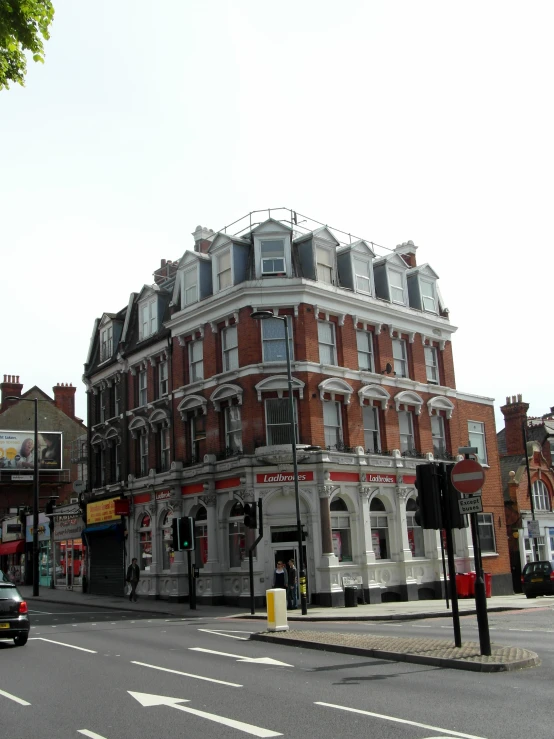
23 25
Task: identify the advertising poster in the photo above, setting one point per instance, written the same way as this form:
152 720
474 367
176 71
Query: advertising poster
102 511
337 545
17 450
376 544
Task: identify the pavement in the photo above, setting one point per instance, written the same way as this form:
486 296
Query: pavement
421 650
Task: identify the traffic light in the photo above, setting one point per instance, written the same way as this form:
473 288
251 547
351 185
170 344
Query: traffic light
49 509
428 515
451 497
250 515
183 534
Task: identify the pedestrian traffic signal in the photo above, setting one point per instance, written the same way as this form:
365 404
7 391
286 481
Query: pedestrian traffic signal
183 534
428 515
250 515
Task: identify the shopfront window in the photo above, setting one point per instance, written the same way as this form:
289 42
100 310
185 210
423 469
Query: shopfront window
69 568
167 540
415 532
201 535
379 529
145 543
237 540
340 530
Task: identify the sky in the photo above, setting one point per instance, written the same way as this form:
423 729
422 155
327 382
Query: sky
390 120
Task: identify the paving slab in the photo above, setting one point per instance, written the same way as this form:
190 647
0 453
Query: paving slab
417 650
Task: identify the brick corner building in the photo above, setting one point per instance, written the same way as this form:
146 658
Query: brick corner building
189 414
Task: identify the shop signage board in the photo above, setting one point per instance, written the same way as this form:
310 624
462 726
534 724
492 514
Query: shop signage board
277 478
471 504
468 476
101 511
533 529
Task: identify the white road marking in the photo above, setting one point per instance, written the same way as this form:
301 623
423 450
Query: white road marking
230 635
43 613
14 698
400 721
240 658
62 644
93 735
187 674
146 699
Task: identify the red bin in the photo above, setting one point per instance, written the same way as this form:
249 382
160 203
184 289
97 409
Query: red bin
472 576
488 584
462 584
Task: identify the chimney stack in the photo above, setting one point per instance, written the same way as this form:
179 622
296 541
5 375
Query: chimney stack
407 251
202 239
64 398
10 386
166 269
515 415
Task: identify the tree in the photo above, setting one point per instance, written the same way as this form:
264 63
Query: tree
23 25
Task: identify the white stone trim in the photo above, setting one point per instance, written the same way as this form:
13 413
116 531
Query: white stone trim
408 397
335 386
374 392
279 383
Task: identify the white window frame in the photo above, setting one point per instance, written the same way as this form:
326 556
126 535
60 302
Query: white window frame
196 360
230 351
417 535
116 399
227 272
271 341
143 388
372 429
117 461
106 343
266 267
432 364
190 292
438 433
428 302
475 438
394 297
165 448
325 270
197 433
284 406
143 453
163 378
148 313
332 423
365 352
362 279
486 519
400 357
541 497
407 441
233 428
331 347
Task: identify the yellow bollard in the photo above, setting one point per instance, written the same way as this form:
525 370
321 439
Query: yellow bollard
276 609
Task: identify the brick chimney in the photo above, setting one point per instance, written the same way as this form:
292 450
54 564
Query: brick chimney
202 239
515 414
64 398
407 251
166 269
10 386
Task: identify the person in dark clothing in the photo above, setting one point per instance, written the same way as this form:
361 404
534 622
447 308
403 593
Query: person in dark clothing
291 589
133 576
280 577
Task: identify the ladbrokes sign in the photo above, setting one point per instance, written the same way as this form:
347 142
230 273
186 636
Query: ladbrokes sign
279 477
377 477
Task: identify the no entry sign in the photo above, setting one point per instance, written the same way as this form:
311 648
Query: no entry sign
468 476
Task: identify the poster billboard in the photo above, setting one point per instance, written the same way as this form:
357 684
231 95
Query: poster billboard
17 450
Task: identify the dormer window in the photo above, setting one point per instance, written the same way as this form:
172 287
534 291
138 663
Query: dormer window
396 286
148 318
190 286
324 265
106 343
224 275
273 257
362 275
428 296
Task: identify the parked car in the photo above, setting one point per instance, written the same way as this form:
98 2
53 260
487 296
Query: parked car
537 578
14 618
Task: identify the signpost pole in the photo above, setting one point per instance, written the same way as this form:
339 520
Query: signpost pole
450 555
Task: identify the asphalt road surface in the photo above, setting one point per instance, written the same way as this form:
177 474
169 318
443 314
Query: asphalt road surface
121 675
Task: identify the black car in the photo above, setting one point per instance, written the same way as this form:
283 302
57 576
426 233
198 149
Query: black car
537 578
14 618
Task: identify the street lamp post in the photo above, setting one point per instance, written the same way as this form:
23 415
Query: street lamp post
263 315
35 496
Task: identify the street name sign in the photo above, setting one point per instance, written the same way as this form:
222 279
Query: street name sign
471 505
468 476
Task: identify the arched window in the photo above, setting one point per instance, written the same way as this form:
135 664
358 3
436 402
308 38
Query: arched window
340 530
145 542
237 540
167 540
379 529
541 497
201 535
415 532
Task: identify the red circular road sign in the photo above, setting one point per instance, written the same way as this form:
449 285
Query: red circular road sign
468 476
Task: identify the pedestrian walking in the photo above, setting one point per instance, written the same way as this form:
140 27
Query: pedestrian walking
292 593
280 577
133 577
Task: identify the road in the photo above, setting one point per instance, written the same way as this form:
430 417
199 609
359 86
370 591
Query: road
120 675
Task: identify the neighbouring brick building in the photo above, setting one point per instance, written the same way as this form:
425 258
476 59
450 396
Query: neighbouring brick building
58 432
188 415
517 468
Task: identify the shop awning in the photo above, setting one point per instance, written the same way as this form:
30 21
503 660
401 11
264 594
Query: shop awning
110 526
12 547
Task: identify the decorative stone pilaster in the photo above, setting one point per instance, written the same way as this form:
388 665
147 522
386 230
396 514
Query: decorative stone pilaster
367 543
328 557
210 501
